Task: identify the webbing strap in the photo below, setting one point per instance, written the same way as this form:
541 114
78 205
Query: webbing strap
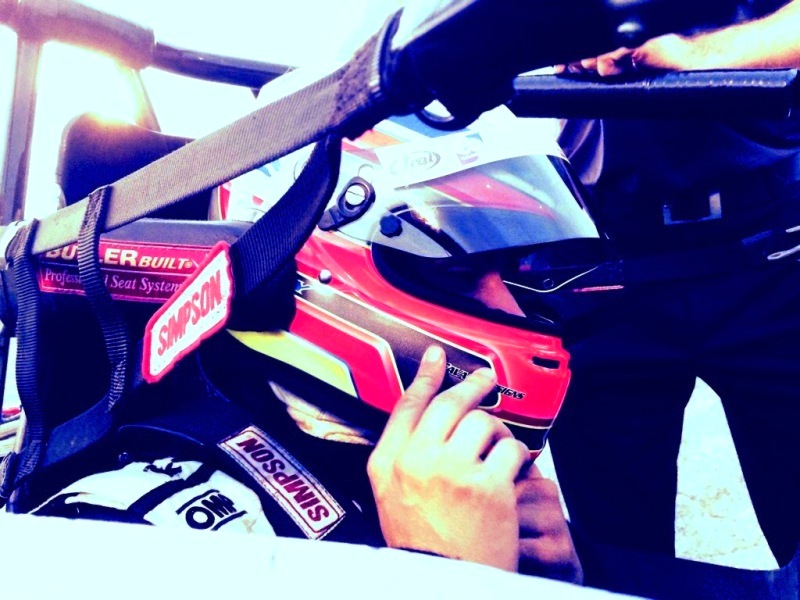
43 447
29 375
268 248
77 434
93 424
261 250
112 324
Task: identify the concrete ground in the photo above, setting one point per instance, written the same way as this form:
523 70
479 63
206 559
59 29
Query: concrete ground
715 521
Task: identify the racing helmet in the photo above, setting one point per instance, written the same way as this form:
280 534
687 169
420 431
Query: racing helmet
430 238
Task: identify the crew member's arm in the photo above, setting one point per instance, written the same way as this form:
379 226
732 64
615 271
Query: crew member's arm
443 471
772 42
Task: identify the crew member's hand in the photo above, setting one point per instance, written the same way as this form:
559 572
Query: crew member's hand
671 52
443 471
545 547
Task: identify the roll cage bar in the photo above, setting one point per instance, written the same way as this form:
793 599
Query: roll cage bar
39 21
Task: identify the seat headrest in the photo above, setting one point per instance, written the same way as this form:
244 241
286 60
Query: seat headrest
95 152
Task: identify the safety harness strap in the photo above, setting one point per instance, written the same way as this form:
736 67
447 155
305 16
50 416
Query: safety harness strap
44 447
112 324
261 250
263 257
29 375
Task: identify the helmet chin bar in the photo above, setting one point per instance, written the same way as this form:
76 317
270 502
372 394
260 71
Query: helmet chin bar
533 437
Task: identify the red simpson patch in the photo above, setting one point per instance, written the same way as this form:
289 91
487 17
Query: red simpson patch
198 309
296 490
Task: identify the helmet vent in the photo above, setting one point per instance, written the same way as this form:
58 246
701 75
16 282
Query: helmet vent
545 363
354 200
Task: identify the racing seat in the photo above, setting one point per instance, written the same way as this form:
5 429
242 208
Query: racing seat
72 364
95 152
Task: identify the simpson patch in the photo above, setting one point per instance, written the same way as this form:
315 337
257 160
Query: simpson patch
296 490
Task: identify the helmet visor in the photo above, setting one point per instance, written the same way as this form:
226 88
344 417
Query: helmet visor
455 212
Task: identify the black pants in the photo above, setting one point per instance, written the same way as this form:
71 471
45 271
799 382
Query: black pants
615 444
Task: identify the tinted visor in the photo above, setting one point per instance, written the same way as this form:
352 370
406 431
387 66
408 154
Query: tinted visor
515 203
469 240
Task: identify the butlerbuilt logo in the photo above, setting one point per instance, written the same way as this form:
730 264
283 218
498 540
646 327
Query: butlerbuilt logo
198 309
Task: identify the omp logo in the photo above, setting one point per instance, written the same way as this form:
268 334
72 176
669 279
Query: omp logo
296 490
210 510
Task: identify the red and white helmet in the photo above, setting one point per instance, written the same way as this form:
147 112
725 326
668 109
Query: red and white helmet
431 238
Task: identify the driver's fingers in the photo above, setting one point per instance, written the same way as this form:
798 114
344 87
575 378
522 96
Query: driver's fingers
415 400
614 63
506 458
475 434
448 408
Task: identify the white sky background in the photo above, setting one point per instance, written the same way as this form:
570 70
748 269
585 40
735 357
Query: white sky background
297 31
292 32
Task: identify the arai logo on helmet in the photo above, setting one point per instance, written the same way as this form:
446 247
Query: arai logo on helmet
411 164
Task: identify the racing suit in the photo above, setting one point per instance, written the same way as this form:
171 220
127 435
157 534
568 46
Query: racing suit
698 211
213 461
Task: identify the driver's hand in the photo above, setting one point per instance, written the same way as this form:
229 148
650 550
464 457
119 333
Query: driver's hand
546 547
443 471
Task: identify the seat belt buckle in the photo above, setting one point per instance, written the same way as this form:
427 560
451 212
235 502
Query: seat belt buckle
693 210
